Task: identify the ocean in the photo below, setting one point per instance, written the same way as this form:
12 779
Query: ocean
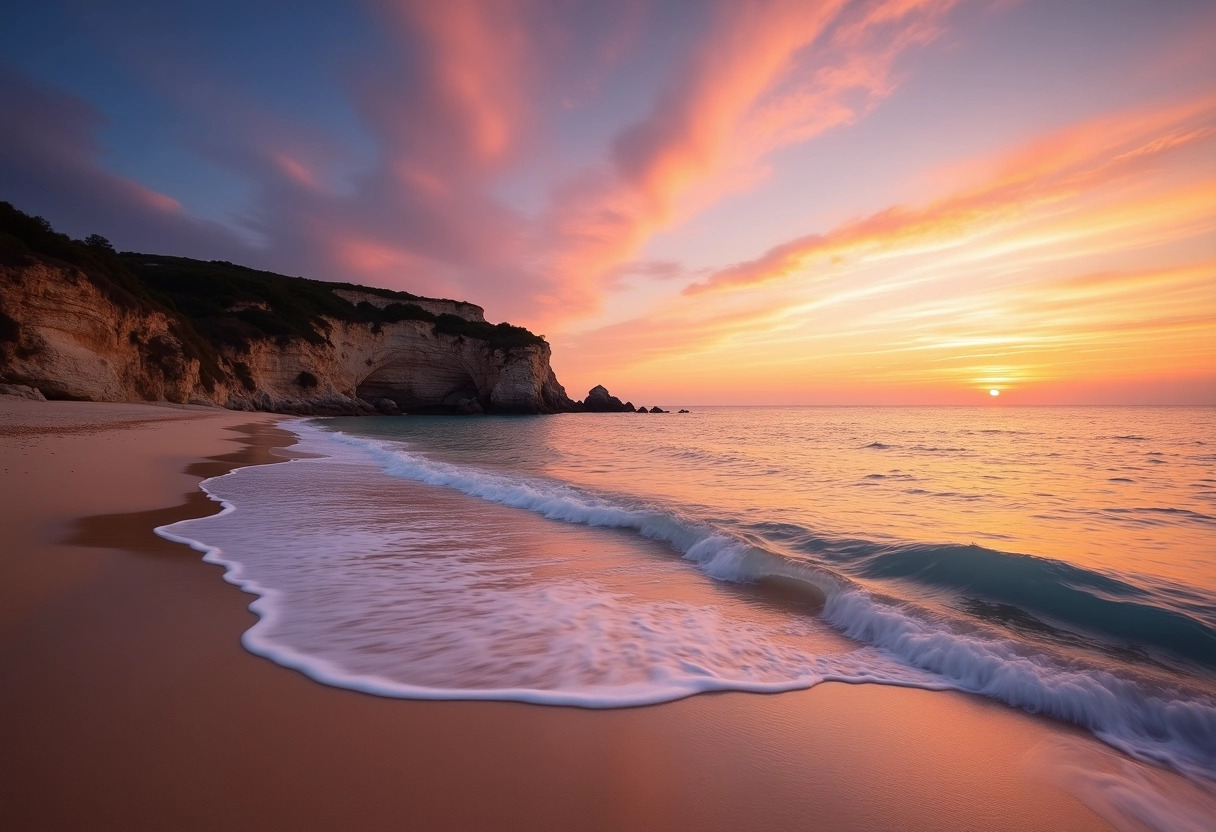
1057 560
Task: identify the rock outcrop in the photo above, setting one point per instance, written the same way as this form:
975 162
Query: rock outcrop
599 400
68 334
22 391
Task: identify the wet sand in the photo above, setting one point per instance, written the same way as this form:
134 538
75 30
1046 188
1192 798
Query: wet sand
127 702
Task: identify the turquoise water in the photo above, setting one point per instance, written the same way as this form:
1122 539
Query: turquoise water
1059 560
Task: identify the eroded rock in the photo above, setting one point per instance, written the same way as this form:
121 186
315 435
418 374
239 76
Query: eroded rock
599 400
22 391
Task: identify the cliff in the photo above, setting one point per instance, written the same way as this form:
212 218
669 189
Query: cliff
79 321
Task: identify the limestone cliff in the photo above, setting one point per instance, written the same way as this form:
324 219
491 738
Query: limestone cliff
72 334
65 337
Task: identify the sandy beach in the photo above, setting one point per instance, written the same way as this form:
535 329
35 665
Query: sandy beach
127 701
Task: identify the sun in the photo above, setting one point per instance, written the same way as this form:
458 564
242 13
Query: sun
994 392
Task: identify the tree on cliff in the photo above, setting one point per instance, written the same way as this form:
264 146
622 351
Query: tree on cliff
98 243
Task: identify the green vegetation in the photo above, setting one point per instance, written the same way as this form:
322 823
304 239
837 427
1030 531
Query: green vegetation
220 304
22 236
500 336
232 305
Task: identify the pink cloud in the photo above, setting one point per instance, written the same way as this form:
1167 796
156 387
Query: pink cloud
462 93
476 59
762 77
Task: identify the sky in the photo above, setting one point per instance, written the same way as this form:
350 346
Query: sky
746 202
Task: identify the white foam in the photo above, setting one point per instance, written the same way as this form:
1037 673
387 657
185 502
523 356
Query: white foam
383 615
719 555
1162 727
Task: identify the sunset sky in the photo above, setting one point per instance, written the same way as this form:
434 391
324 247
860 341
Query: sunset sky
772 201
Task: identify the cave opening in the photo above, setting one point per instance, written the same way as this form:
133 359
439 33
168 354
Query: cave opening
417 388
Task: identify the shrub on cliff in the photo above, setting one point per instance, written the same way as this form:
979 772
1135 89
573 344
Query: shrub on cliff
499 336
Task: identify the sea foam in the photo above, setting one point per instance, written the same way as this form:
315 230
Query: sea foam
455 630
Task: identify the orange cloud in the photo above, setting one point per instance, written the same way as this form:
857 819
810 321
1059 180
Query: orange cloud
1100 326
1019 307
1050 170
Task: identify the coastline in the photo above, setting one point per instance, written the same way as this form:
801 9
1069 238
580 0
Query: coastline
129 703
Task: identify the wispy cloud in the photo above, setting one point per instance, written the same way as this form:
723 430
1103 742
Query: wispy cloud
1054 169
765 75
990 286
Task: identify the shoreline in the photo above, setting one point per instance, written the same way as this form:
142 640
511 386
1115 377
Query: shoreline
130 704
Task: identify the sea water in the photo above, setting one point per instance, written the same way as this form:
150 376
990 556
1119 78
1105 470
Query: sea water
1058 560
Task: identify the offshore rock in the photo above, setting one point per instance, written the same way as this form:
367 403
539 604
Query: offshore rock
599 400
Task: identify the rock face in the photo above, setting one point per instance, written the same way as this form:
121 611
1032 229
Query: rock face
66 337
599 400
22 391
69 340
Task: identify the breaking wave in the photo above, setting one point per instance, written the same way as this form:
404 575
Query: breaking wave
906 644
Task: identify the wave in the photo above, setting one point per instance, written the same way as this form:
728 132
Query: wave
719 555
1091 602
927 449
915 647
1163 727
1152 515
